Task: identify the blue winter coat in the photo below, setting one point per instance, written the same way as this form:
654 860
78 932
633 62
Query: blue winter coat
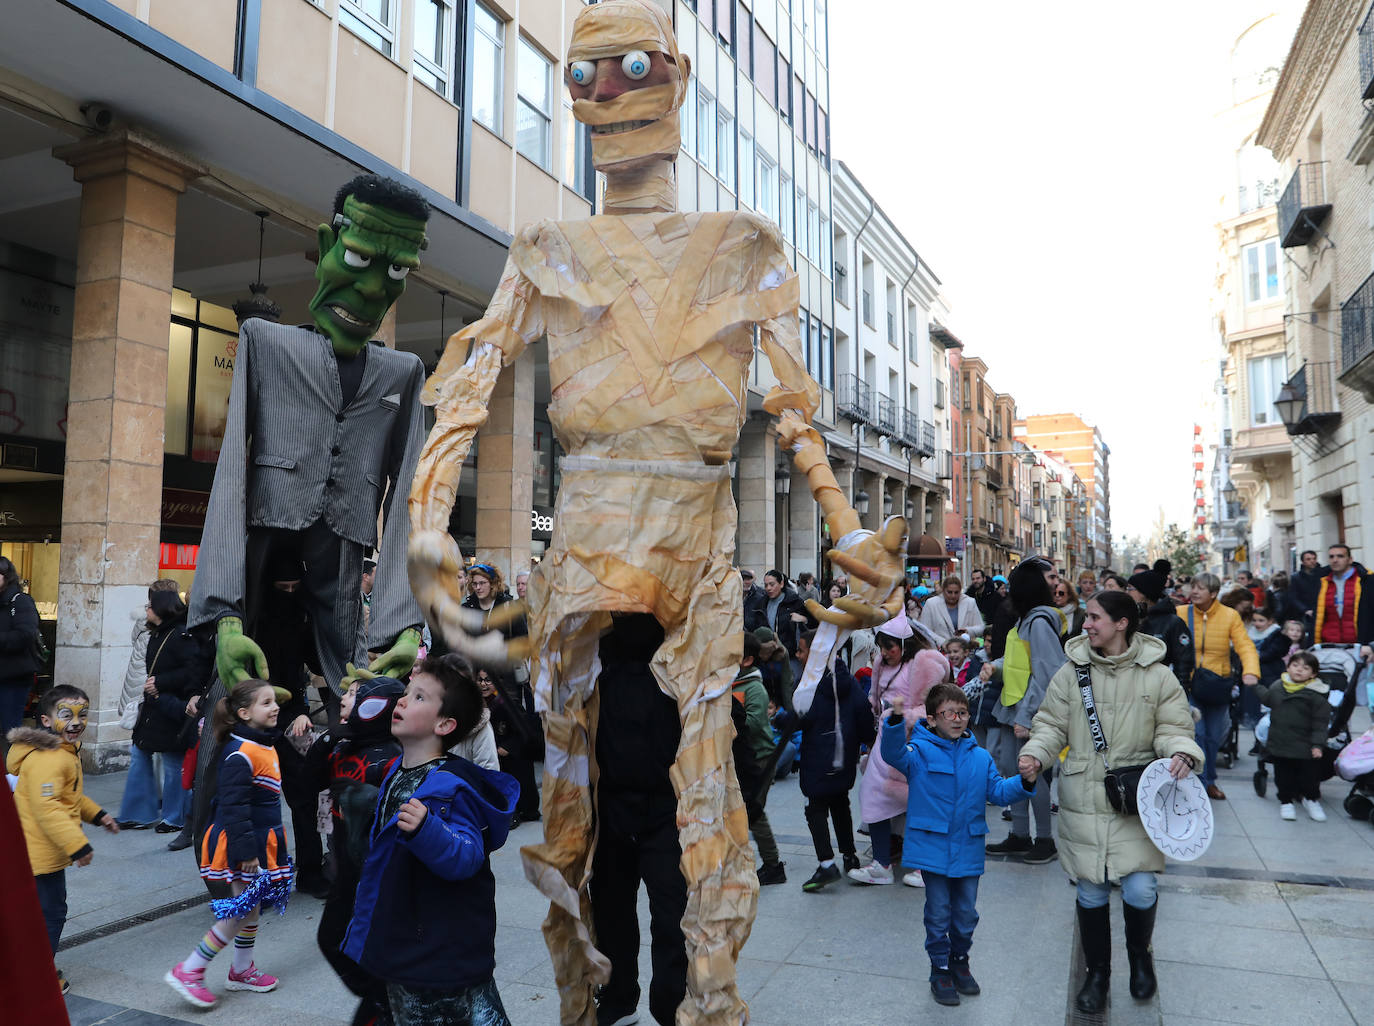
945 812
425 914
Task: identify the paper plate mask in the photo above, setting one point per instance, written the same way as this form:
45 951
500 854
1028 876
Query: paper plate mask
1176 813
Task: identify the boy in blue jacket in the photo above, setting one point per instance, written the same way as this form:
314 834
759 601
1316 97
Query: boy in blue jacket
424 919
945 825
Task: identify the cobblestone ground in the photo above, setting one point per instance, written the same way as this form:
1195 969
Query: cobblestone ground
1274 925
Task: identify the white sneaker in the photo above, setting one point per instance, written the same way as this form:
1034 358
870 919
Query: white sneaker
873 873
914 879
1286 811
1314 810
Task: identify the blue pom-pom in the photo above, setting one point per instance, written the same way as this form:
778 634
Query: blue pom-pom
262 890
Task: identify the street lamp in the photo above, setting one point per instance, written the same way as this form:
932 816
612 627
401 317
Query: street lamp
887 504
782 481
1291 405
1229 492
861 503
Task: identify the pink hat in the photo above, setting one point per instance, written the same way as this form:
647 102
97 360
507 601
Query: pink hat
898 627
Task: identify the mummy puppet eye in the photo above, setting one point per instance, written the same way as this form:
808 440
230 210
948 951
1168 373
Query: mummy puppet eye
582 72
635 64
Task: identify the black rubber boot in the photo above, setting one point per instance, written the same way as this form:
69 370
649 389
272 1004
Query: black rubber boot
1140 927
1095 934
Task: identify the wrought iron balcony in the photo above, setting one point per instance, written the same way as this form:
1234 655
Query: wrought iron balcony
888 415
994 476
1307 401
1303 206
1367 56
1357 338
853 399
925 445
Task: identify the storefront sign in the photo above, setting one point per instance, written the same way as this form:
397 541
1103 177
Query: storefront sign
184 508
541 524
177 557
215 352
35 356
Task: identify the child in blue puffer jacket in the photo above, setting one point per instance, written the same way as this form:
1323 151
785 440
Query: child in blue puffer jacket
945 826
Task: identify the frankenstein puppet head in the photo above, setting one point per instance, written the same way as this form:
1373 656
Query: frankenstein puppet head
627 79
373 242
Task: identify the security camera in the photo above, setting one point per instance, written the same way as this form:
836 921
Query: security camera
98 116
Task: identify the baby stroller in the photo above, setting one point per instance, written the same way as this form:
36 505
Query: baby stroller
1340 670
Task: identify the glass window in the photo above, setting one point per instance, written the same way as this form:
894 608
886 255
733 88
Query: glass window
723 19
533 113
785 221
1260 264
784 88
814 233
746 171
768 188
689 119
765 65
744 39
369 20
706 129
175 419
826 262
488 67
434 44
1267 375
725 149
576 143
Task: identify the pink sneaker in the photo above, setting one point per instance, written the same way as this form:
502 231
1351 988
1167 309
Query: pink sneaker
251 978
190 984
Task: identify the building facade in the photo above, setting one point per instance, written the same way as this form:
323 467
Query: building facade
1082 446
1319 127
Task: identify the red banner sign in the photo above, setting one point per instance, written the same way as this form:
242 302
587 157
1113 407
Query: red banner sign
177 557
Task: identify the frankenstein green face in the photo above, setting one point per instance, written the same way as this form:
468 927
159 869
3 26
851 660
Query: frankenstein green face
364 259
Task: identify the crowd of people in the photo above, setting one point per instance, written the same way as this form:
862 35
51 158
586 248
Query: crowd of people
970 698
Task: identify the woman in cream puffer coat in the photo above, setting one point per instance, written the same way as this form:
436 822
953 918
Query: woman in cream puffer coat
1145 716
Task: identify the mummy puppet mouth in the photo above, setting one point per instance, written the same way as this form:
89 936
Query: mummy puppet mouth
617 127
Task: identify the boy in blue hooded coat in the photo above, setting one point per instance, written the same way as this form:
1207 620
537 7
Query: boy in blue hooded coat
945 826
424 918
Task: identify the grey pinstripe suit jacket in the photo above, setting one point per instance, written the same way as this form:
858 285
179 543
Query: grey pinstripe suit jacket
293 453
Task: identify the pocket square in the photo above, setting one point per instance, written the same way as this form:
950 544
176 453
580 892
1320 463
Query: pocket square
393 400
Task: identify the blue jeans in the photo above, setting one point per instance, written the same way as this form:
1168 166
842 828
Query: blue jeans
1139 890
14 695
951 916
140 802
1210 732
52 899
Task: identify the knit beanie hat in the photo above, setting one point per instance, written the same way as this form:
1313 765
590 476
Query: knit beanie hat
1149 583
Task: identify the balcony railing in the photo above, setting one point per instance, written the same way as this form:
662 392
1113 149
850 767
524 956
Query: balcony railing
944 465
1303 205
1314 386
994 476
1357 337
926 444
909 429
853 399
888 415
1367 56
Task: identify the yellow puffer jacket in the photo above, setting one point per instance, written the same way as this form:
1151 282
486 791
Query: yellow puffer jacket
1144 716
49 797
1215 633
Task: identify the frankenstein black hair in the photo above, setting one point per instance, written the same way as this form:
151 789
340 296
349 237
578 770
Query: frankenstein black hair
383 192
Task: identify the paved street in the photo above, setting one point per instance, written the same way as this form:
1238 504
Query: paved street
1274 925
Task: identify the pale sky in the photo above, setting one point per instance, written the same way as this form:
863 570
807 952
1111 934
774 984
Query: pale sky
1061 168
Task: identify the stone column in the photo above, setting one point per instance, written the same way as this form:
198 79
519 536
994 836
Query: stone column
112 486
803 528
758 455
505 471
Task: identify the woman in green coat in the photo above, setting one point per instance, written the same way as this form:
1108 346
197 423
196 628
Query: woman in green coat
1144 715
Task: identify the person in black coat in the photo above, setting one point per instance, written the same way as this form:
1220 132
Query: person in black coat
1306 584
784 613
1160 619
178 668
18 657
755 602
837 722
519 736
637 736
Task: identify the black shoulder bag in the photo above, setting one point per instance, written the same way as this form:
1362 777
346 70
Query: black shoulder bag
1121 783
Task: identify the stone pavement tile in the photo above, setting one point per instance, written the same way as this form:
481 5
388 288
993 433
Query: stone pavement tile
83 1011
1345 959
1251 997
1331 911
533 1006
518 951
1203 903
1359 998
1235 947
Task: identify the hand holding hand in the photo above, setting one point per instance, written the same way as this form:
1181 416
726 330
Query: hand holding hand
108 822
412 814
85 860
1180 766
1029 767
1022 733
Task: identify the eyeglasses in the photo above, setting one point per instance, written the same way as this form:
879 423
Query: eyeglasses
953 716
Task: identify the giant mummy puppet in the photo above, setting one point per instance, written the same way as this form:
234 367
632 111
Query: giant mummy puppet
649 316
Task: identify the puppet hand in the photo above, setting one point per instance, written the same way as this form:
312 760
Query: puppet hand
433 562
400 657
874 565
237 656
354 673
